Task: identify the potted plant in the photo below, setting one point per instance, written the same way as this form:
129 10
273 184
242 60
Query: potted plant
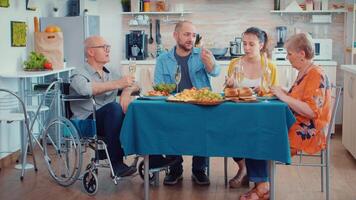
126 5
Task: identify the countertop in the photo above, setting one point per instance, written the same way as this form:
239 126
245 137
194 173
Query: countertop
226 62
349 68
26 74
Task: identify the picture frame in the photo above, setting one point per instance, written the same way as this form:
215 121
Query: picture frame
18 34
4 3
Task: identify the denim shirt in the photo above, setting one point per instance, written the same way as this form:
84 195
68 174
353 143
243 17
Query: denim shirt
166 66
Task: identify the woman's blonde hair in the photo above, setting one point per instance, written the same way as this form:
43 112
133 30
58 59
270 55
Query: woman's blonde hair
301 42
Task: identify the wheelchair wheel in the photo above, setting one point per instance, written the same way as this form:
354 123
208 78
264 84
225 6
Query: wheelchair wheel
141 171
62 151
90 182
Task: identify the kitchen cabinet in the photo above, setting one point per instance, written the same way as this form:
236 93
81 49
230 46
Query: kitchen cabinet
287 74
349 111
156 13
350 32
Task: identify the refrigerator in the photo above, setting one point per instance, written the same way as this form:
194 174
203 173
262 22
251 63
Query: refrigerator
75 30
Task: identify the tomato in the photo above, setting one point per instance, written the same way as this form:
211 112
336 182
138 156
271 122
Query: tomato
47 65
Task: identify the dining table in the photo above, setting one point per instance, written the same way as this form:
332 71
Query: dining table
256 130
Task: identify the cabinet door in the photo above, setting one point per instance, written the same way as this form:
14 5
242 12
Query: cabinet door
286 76
217 83
347 125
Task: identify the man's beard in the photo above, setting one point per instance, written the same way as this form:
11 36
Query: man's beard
181 46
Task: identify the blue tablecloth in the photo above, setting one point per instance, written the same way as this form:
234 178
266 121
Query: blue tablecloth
249 130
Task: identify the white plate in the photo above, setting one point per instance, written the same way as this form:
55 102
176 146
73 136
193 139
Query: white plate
267 98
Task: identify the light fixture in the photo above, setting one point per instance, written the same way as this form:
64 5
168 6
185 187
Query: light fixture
31 5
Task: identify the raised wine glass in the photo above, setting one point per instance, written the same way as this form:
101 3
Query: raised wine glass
178 77
266 80
132 66
239 74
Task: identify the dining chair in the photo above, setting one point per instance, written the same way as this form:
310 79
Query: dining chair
14 109
323 155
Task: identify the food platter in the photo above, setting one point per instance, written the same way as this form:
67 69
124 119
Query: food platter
206 103
152 97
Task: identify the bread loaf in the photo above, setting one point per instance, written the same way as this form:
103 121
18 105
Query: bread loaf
231 92
245 92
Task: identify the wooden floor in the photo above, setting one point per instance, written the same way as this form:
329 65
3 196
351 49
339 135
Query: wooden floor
293 183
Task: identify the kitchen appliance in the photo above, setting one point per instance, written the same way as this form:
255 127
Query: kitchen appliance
136 45
323 49
281 35
279 52
236 48
75 31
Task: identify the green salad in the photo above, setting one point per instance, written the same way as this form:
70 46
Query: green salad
162 87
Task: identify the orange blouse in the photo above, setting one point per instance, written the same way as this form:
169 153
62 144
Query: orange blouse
314 89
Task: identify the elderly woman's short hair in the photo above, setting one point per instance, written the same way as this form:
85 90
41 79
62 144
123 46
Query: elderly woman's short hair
301 42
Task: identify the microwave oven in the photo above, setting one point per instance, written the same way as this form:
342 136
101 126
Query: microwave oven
323 49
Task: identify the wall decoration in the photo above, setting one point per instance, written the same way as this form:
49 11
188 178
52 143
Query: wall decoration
4 3
18 34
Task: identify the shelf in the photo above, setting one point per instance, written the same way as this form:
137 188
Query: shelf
156 13
281 12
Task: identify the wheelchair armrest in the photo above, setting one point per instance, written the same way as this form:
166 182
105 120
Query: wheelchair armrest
76 97
136 93
42 87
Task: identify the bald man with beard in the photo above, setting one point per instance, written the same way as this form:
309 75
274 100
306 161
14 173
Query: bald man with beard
197 65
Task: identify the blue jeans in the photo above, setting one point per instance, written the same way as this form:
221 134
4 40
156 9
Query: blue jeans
199 164
109 120
257 170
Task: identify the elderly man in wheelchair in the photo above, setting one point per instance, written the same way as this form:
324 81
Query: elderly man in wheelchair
95 80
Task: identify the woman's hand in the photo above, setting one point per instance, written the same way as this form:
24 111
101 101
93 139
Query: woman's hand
229 82
279 92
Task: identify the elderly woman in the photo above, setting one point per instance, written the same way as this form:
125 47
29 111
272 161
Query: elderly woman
255 62
309 98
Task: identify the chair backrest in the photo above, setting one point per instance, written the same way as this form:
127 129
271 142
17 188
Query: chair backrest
16 103
338 91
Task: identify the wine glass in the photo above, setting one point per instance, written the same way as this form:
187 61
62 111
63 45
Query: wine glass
178 77
266 80
132 66
239 74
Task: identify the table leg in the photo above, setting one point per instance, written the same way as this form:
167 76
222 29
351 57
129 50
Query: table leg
146 177
23 133
272 179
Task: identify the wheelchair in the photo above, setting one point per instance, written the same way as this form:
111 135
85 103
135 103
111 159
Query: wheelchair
65 141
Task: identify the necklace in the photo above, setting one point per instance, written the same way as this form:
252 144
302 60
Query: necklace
301 74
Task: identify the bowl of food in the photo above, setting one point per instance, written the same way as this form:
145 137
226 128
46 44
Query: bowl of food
163 87
217 52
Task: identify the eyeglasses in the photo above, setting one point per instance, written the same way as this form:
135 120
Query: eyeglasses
105 47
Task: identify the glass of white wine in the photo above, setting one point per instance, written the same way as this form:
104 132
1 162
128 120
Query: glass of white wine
239 74
178 77
132 66
266 82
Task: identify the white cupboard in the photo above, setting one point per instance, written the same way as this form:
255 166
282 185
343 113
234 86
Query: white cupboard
349 111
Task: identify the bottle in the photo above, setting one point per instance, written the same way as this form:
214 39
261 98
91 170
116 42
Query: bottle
277 4
146 6
161 5
308 5
325 5
317 4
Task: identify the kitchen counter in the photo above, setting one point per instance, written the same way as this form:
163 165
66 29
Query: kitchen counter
349 68
153 62
226 62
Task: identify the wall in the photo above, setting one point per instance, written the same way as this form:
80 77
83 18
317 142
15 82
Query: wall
220 21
